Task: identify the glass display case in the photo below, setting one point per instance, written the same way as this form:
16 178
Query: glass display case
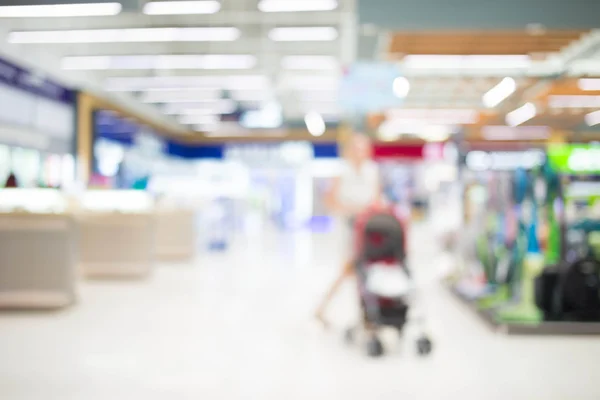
117 233
36 222
40 201
117 201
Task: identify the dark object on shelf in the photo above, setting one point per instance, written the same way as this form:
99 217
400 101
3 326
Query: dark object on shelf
570 292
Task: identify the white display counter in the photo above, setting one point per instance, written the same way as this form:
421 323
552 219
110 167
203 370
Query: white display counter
37 250
176 236
117 234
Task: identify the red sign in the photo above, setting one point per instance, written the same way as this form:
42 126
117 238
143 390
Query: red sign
406 152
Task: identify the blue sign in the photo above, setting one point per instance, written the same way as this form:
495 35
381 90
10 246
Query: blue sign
188 151
218 151
369 87
35 83
110 126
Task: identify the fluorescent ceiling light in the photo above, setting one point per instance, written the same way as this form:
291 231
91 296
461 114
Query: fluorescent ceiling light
499 93
180 96
444 61
507 133
60 10
312 82
219 107
574 101
135 35
394 129
401 87
297 5
181 7
159 62
199 119
305 34
142 83
593 118
204 111
315 124
435 116
314 63
589 84
521 115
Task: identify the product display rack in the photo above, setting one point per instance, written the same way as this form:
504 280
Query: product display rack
511 306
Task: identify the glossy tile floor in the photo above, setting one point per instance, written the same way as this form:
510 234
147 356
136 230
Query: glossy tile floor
238 325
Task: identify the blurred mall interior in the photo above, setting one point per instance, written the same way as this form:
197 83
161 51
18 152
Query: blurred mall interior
170 214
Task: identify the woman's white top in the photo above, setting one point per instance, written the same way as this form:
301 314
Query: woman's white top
359 187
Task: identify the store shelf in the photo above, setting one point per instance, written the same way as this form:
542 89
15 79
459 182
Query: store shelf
543 329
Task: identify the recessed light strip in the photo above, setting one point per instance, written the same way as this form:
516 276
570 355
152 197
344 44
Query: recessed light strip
315 123
297 5
448 116
593 118
567 101
589 84
182 7
60 10
477 62
310 63
521 115
159 62
507 133
303 34
166 83
499 93
135 35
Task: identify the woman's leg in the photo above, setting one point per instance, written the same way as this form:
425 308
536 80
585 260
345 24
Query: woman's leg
347 271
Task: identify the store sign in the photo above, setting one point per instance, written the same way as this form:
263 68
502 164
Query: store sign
108 125
284 154
35 83
503 160
578 159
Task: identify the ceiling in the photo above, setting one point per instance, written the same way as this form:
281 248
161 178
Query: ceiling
193 67
192 70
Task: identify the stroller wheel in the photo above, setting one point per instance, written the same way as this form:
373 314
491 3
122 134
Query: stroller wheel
424 346
349 336
374 347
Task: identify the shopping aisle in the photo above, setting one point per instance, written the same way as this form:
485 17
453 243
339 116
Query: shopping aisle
238 326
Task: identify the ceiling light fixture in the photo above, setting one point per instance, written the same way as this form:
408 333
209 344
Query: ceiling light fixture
566 101
500 92
181 96
297 5
507 133
443 61
593 118
589 84
60 10
144 83
436 116
314 63
219 107
521 115
159 62
401 87
315 124
304 34
182 7
135 35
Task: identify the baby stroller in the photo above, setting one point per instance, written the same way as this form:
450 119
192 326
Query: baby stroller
381 250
